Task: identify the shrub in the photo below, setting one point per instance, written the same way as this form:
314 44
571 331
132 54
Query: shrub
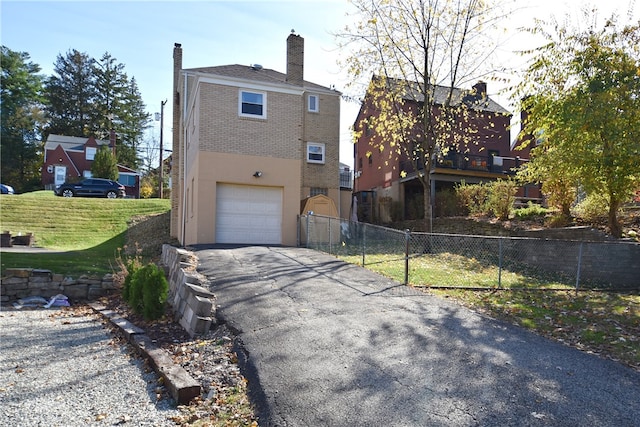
128 267
560 194
558 221
148 291
448 204
146 191
502 195
473 197
593 209
531 211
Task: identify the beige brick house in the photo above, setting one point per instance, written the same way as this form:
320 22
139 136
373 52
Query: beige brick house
249 144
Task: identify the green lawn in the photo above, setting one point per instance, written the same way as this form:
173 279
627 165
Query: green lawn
86 233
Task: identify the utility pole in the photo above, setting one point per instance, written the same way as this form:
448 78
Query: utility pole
160 170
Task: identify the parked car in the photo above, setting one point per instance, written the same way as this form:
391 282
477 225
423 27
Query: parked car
91 187
6 189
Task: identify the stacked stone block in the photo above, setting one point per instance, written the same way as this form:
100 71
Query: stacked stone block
192 303
28 282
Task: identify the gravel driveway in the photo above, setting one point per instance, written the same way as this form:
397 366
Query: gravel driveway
58 367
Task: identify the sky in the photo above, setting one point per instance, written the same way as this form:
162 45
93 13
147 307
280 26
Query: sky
141 35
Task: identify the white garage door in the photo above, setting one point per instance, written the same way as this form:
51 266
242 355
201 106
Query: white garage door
248 215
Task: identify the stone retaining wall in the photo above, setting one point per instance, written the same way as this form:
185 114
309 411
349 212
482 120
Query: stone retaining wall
27 282
192 303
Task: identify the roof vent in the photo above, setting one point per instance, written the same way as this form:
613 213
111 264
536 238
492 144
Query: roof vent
256 67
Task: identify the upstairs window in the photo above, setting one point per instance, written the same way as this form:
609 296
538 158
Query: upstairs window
252 104
313 103
315 152
90 153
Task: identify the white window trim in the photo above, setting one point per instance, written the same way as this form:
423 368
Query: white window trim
90 153
317 98
264 104
316 145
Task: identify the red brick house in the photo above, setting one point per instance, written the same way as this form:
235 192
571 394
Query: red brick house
69 158
386 183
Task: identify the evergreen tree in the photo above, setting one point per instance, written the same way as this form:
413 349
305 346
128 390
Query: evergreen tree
91 98
71 95
111 83
21 117
132 127
104 164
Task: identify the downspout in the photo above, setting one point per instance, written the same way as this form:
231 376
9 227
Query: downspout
184 162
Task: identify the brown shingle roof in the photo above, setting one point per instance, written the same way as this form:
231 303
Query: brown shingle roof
258 74
458 96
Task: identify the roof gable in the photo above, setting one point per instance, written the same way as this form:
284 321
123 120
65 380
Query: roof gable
72 143
471 98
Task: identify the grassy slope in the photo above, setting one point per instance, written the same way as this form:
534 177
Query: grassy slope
86 233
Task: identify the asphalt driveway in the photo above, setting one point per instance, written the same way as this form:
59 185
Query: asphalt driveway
331 344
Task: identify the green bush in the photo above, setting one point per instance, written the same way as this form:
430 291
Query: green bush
531 211
502 195
130 266
146 290
473 197
593 209
149 291
448 204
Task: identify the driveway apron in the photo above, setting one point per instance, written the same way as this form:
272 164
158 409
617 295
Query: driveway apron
325 343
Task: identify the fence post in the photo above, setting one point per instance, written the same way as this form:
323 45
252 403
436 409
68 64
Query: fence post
579 266
330 241
407 236
500 263
308 232
364 238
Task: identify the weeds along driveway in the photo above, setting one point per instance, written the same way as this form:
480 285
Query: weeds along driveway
327 343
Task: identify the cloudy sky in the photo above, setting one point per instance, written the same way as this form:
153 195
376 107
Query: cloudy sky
141 34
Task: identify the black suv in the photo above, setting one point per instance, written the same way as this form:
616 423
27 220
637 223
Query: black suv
91 187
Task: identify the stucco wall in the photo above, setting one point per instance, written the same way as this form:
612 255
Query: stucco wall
214 168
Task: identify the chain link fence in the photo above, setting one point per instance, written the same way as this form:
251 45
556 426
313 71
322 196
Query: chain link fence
466 261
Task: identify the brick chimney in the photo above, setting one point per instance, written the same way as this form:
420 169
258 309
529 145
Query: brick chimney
480 89
295 59
112 141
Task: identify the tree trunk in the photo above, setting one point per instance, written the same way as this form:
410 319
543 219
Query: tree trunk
426 188
614 226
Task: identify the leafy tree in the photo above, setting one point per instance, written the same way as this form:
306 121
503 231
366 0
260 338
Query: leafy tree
581 93
104 164
419 52
71 95
20 116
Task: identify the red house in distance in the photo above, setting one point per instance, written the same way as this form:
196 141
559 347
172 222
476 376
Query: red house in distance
386 184
69 159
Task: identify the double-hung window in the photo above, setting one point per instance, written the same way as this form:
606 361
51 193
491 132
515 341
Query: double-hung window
313 105
252 104
90 153
315 152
